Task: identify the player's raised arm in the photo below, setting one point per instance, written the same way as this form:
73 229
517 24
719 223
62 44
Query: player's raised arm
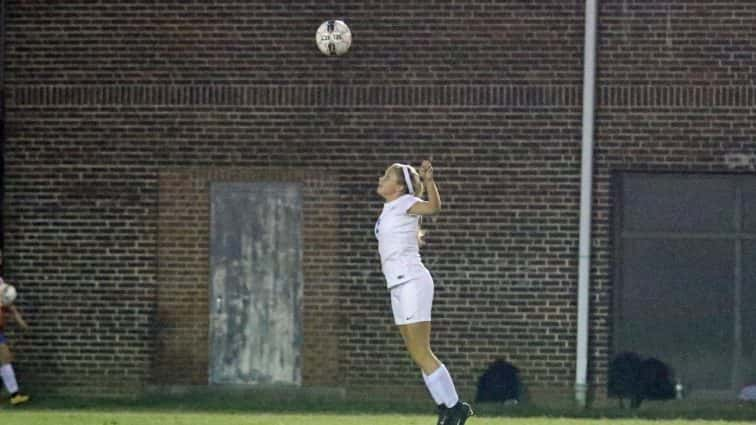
17 317
433 205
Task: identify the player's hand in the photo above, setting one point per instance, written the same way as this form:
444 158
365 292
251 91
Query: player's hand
426 170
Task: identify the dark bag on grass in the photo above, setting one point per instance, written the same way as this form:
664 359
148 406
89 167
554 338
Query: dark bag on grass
657 380
624 378
500 382
639 379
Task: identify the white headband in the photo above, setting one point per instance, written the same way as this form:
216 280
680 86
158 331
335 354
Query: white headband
407 179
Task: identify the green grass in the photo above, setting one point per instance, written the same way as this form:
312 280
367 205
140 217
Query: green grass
284 408
175 418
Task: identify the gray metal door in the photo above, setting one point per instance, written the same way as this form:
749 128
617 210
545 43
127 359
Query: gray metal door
256 279
684 276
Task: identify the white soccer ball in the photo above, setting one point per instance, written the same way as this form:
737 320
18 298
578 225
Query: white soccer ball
333 37
7 294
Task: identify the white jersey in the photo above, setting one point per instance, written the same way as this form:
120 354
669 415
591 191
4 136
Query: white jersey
396 231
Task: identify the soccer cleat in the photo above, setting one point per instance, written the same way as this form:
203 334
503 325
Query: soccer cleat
459 413
443 415
18 398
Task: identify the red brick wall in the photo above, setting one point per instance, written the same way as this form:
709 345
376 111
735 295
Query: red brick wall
182 324
676 94
112 110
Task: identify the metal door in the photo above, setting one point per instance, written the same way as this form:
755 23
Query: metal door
256 279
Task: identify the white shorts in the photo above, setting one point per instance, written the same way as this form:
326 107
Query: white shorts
411 301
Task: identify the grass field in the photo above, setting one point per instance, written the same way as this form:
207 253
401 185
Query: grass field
260 408
41 417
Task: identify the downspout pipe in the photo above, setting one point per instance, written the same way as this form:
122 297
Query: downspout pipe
586 182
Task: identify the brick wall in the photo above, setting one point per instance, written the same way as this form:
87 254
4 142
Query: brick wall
117 116
676 94
183 273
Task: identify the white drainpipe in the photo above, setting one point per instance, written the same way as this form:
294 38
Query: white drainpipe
586 181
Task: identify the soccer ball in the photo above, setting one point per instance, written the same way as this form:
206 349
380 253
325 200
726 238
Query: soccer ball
7 294
333 38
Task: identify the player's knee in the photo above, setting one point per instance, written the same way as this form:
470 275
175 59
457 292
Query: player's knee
5 357
421 354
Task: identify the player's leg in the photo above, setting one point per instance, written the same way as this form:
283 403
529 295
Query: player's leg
452 411
8 375
412 304
416 338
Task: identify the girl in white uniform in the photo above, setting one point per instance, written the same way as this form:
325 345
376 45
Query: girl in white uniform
410 283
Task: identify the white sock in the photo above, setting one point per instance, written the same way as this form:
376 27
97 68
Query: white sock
432 390
441 387
9 378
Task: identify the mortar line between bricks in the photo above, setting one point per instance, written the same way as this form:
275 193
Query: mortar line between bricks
369 96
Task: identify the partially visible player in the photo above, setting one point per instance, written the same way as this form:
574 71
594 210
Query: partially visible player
6 357
410 283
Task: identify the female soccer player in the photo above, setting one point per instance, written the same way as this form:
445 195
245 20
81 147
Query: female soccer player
6 357
410 283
